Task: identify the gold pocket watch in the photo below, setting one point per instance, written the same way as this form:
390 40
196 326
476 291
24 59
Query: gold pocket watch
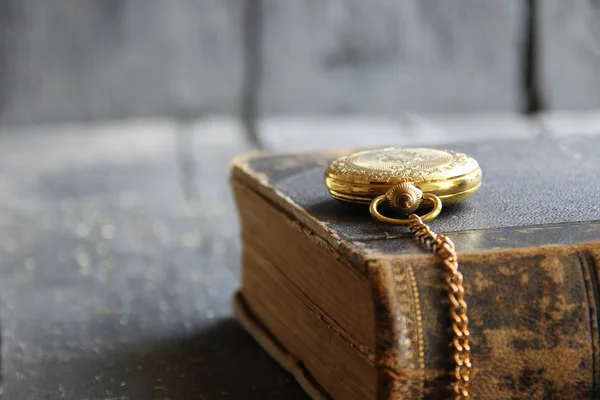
402 178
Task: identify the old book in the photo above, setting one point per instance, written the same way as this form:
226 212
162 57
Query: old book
355 309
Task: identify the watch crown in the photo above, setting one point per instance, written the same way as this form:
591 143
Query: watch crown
404 198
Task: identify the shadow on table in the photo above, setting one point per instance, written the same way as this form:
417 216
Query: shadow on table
221 362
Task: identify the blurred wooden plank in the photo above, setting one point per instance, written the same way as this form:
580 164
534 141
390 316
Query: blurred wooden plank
6 28
569 50
436 129
314 133
119 254
384 57
565 123
89 60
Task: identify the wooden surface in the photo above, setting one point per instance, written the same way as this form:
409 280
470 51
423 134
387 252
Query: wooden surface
119 253
90 60
569 53
94 60
291 133
385 57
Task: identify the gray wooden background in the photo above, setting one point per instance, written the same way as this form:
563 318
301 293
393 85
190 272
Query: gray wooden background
87 60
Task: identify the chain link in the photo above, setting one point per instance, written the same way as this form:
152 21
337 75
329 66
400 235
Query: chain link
443 247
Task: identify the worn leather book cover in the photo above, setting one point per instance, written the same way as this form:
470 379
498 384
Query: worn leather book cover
528 246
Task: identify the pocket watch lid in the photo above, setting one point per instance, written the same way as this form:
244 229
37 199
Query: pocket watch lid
361 176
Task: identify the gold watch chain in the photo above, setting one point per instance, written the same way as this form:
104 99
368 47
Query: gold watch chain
443 247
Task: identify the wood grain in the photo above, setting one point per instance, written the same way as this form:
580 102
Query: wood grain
90 60
296 133
119 254
569 50
386 56
570 123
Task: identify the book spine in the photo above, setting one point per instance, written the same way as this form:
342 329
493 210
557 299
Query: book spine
534 316
399 335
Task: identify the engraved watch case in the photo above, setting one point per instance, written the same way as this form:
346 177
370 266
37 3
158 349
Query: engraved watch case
363 176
